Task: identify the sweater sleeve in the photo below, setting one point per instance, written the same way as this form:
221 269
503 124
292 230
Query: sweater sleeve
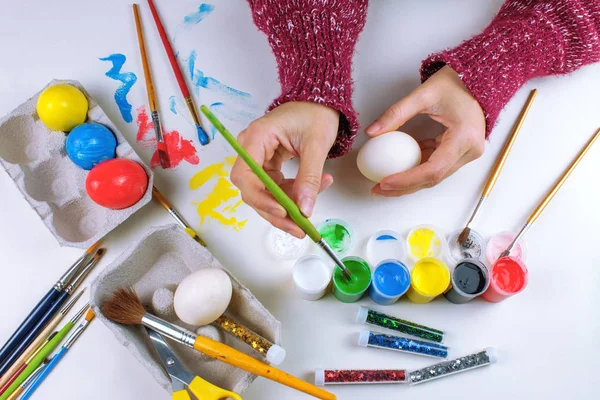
527 39
313 42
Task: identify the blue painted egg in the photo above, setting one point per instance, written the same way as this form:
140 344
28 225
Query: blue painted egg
89 144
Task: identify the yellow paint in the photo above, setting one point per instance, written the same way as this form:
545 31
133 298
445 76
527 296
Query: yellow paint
235 206
429 278
212 171
230 160
424 243
191 232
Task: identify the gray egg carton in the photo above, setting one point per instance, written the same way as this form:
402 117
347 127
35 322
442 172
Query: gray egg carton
35 158
161 259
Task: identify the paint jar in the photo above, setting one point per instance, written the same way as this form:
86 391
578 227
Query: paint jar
509 276
350 291
470 278
425 241
386 245
473 247
384 341
338 235
376 318
285 246
429 278
500 242
358 376
391 280
311 275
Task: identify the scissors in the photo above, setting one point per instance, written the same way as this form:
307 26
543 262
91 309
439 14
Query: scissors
181 377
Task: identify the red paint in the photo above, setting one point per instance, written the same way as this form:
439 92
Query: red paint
178 149
116 184
508 275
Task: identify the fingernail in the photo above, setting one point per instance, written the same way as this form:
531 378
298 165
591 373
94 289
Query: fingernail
306 206
385 186
372 128
278 212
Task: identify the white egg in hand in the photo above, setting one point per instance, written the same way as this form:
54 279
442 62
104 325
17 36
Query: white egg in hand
203 296
388 154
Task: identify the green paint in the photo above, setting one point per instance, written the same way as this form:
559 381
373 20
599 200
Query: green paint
336 235
352 290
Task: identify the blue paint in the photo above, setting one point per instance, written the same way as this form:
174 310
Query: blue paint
242 116
202 136
391 280
89 144
173 104
386 237
127 80
406 345
203 11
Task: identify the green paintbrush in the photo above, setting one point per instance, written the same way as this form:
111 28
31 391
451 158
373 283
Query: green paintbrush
281 197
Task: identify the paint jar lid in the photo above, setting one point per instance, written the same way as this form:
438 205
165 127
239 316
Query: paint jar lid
319 377
363 312
285 246
276 354
338 234
386 245
474 247
425 241
499 242
363 338
492 354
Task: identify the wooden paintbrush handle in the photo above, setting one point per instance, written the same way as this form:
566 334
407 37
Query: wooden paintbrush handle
145 64
508 146
240 360
536 213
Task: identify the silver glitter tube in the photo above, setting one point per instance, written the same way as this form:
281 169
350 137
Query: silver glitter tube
445 368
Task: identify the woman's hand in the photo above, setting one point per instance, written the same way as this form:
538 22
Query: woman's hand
295 129
446 100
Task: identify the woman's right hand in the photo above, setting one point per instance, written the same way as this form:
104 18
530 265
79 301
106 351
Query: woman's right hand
294 129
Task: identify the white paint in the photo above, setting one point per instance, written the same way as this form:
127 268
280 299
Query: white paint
311 275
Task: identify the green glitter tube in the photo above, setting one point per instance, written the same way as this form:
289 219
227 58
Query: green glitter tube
375 318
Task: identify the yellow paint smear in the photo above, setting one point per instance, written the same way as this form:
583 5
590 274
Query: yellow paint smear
222 192
207 174
424 243
430 277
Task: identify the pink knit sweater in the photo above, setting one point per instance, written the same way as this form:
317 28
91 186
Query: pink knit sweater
314 40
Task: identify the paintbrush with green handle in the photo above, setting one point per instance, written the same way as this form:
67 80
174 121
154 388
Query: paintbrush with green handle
281 197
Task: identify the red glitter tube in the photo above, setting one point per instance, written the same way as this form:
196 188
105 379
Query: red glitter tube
358 376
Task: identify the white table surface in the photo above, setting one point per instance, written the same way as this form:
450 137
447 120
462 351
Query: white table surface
547 337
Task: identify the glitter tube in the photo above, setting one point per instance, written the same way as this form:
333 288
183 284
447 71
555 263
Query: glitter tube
358 376
369 338
375 318
480 359
273 353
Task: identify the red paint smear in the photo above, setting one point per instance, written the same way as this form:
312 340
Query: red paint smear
179 149
508 275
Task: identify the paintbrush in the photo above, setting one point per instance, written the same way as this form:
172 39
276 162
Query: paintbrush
20 364
495 172
15 395
125 307
30 336
278 193
44 304
89 316
550 195
158 196
202 136
163 155
46 350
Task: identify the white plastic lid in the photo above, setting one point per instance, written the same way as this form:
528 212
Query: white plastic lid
492 354
361 318
385 245
363 338
319 377
276 354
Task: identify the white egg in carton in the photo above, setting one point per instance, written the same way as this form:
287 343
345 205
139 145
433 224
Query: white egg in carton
35 158
154 267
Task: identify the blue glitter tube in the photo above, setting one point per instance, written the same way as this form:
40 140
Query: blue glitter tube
369 338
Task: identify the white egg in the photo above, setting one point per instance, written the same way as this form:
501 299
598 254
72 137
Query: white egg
388 154
203 296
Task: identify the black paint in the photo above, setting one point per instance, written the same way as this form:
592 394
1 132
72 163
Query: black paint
469 278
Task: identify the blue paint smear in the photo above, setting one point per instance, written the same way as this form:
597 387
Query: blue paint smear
127 80
203 11
231 114
173 104
386 237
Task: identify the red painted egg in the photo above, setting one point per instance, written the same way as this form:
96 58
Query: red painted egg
117 183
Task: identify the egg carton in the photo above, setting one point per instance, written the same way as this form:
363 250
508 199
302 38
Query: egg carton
161 259
35 158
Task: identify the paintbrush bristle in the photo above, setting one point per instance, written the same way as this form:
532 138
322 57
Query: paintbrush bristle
124 307
202 136
93 247
163 155
90 315
464 236
347 274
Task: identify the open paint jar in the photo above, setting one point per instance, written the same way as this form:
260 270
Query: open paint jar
391 280
500 242
351 290
509 276
311 275
429 278
470 278
284 245
425 241
473 247
338 235
386 245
